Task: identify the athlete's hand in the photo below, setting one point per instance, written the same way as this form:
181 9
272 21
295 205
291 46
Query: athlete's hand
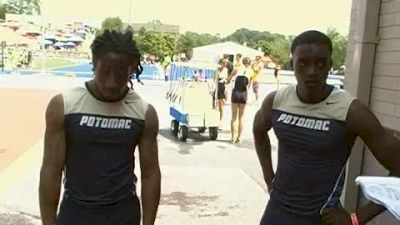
336 216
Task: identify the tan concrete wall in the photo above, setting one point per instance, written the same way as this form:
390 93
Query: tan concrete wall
384 99
360 62
385 92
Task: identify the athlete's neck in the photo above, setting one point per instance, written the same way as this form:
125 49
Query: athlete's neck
315 95
96 93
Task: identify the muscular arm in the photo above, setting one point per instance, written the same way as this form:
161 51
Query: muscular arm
261 126
381 142
53 161
150 169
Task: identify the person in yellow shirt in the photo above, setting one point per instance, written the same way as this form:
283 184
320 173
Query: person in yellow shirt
256 70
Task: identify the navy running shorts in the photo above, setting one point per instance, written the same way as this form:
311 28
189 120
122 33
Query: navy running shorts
275 215
123 212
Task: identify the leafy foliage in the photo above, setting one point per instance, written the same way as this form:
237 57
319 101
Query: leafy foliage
28 7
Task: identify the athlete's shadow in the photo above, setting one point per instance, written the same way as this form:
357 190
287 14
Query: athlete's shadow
247 143
194 139
193 136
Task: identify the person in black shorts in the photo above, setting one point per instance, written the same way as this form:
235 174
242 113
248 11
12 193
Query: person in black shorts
220 79
239 98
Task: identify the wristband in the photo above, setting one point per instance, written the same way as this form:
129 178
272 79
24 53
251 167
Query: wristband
354 219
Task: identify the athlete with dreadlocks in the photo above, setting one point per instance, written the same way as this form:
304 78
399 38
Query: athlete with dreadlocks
91 134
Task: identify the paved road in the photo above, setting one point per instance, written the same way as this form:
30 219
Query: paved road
203 182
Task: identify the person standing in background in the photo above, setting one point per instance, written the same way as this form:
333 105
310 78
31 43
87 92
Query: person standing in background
220 79
276 75
238 61
165 64
239 99
256 68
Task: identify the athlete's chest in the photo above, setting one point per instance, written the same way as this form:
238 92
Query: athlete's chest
312 135
89 129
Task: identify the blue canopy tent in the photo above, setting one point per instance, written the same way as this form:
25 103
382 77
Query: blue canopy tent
75 39
69 44
58 44
47 42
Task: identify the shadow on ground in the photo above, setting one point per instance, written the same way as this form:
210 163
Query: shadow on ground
195 138
15 219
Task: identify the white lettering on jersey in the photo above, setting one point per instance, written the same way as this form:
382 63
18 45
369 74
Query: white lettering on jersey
104 122
313 124
84 120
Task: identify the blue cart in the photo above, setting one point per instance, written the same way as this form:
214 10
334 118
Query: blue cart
192 103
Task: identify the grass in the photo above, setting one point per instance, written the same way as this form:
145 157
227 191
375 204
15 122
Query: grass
50 63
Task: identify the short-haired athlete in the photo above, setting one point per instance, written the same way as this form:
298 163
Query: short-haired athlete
91 135
316 125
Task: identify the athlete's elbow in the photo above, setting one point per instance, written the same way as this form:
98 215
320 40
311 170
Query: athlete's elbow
257 128
151 173
259 132
50 173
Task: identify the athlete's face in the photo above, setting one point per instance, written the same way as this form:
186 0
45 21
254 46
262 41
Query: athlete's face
311 64
112 73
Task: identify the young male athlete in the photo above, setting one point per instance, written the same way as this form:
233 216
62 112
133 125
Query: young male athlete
316 125
91 135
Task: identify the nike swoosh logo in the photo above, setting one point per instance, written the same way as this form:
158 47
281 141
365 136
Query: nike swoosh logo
330 103
128 102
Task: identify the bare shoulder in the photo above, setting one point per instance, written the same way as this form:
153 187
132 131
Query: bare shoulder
151 113
268 102
262 119
55 111
151 120
357 112
361 120
56 101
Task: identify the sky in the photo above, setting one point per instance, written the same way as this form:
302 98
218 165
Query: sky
288 17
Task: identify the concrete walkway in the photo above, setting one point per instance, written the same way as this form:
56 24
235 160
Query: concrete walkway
203 182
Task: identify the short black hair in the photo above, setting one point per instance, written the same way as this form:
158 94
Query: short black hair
116 42
311 37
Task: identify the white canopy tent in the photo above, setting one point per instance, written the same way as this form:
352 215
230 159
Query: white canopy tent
212 53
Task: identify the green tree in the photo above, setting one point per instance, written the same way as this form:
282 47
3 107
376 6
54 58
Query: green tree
189 40
280 51
112 23
274 45
185 44
252 38
28 7
150 42
339 45
2 12
265 46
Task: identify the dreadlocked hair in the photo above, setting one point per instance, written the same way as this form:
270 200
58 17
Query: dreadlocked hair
117 42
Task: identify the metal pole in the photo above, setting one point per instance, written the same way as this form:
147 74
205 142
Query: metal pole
43 46
129 13
2 56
